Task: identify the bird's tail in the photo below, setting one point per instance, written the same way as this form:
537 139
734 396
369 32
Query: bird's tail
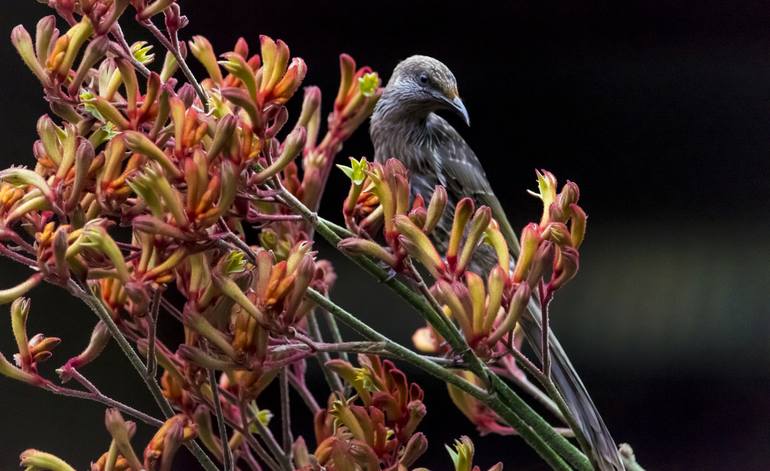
603 449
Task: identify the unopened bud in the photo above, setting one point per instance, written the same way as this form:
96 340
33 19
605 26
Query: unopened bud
94 51
578 225
241 98
447 294
530 240
515 309
231 289
153 9
84 156
100 337
479 224
495 289
539 263
45 33
202 359
23 43
11 294
77 34
109 112
570 194
237 66
225 128
292 146
417 412
38 460
347 69
152 225
419 245
436 207
140 143
415 448
292 79
120 430
463 212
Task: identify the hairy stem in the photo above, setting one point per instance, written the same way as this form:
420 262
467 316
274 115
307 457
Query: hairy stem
305 394
173 48
93 394
227 453
334 382
286 438
272 444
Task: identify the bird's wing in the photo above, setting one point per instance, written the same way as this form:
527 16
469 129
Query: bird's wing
464 175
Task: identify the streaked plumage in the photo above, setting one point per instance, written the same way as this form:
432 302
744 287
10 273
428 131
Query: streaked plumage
404 125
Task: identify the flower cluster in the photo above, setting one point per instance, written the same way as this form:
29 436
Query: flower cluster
381 432
485 306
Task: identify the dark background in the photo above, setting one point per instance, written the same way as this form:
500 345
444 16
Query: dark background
660 111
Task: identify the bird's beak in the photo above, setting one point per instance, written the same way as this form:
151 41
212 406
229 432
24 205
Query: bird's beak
459 107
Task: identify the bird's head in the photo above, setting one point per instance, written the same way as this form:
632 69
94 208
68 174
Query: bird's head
423 83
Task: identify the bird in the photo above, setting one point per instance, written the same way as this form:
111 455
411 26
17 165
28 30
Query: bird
405 125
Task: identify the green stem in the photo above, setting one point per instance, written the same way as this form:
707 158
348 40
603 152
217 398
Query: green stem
332 379
335 331
554 394
94 302
227 453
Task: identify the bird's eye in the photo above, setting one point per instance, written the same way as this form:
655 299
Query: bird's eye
423 78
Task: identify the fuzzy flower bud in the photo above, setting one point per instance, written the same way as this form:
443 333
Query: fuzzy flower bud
23 43
436 207
292 146
39 460
419 245
479 224
11 294
515 309
530 240
463 212
140 143
121 432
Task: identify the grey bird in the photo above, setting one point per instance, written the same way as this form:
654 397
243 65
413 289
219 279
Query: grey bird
405 126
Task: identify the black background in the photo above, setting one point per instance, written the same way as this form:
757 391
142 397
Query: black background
660 111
